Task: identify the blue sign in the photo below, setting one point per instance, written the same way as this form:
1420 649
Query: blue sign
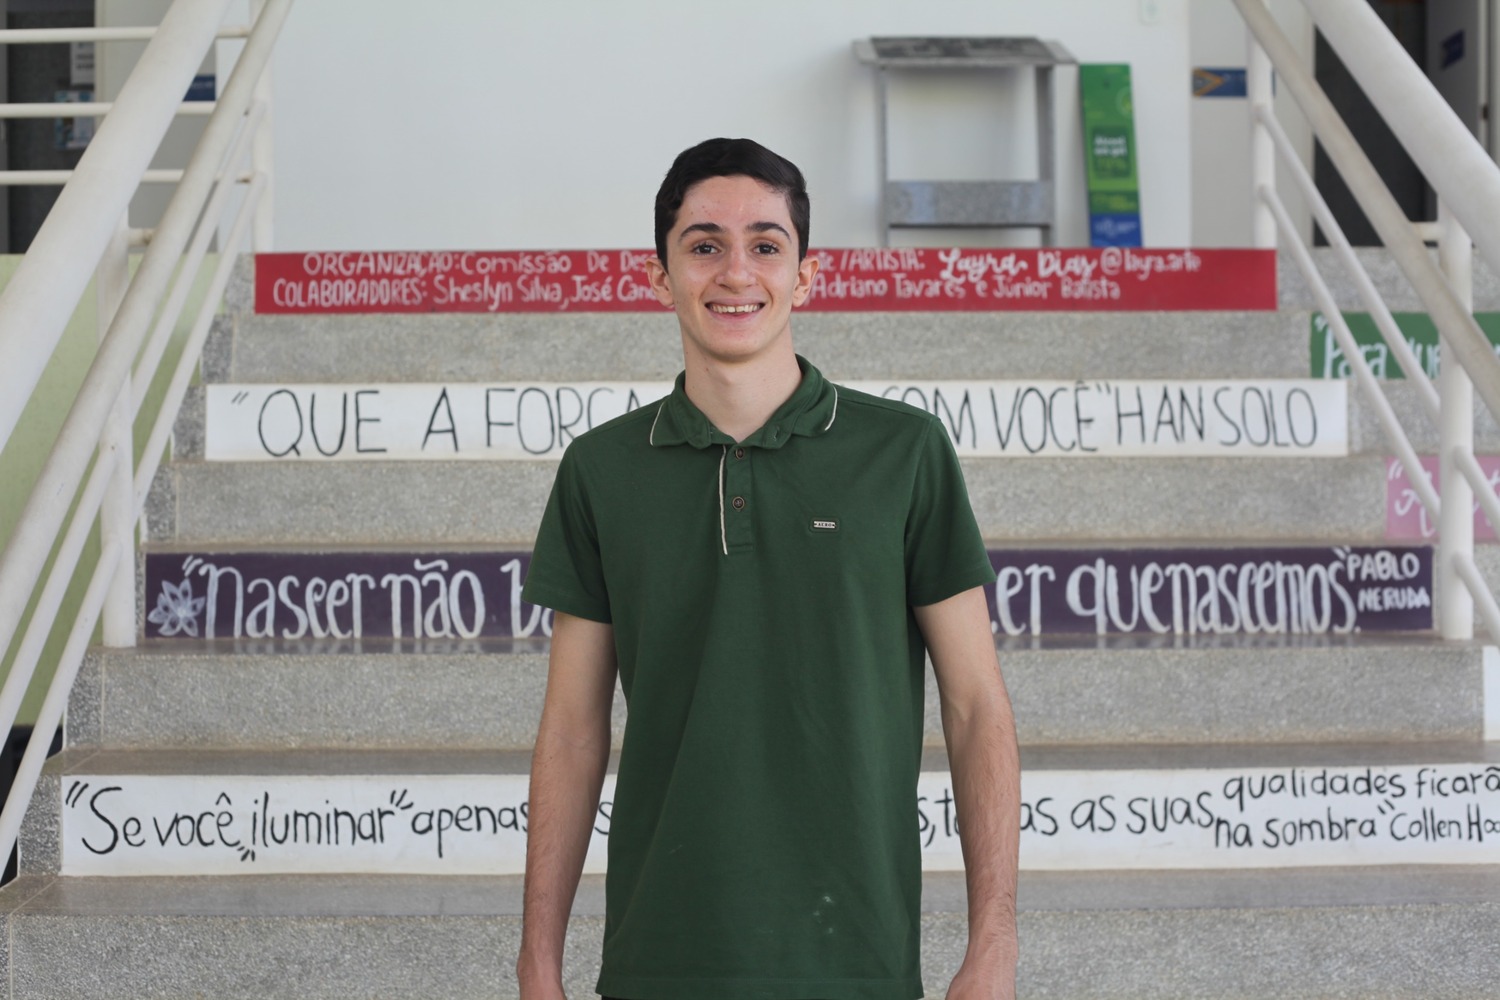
1453 49
1218 81
201 89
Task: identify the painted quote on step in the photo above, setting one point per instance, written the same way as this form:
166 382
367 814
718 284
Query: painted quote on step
537 420
1441 813
345 596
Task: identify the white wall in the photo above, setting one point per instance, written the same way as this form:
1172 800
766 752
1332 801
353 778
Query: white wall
476 124
1221 126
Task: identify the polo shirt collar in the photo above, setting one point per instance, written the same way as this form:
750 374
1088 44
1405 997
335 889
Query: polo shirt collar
811 411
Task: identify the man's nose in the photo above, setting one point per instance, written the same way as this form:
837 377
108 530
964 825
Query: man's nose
736 271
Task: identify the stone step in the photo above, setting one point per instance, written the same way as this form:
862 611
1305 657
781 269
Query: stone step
1024 501
488 694
1398 933
175 813
629 350
1295 293
540 347
1364 432
1292 289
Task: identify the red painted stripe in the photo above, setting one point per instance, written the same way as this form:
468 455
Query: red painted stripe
878 280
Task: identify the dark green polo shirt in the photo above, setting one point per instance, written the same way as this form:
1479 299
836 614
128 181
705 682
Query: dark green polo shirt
763 839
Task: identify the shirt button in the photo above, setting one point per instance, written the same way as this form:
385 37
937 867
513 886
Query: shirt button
739 453
738 503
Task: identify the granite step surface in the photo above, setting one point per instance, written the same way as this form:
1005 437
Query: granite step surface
1023 501
873 345
487 695
1419 933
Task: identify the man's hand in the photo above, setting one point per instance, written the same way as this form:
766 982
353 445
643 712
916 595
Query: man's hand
981 735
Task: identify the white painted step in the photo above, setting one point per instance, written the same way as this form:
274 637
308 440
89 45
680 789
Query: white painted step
197 813
397 416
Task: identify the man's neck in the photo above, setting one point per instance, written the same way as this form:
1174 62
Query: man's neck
739 399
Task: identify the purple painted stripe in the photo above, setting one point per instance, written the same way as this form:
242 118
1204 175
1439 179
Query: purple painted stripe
464 595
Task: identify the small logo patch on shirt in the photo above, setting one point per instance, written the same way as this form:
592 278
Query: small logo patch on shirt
825 524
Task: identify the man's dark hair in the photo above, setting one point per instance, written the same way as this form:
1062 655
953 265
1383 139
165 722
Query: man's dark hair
730 158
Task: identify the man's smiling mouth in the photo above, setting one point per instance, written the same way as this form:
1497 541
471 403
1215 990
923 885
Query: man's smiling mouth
735 309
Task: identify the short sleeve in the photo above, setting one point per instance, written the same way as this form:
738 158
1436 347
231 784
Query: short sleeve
566 572
945 553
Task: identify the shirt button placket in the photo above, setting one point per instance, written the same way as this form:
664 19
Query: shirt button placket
737 484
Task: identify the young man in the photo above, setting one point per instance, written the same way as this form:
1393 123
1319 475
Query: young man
763 557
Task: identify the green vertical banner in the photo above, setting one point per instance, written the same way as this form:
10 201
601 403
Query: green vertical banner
1109 155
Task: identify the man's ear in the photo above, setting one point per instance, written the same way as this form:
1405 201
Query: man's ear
656 273
805 272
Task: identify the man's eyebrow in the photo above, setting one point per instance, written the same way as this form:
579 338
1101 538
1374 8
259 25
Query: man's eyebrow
767 227
714 229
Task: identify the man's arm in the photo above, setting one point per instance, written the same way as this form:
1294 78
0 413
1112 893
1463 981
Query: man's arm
981 736
567 772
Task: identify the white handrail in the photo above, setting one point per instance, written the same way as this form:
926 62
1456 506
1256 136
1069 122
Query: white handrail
1463 564
1363 376
89 109
52 36
109 497
23 667
26 551
1468 184
1461 335
50 714
47 284
166 320
1452 160
157 442
1483 491
1368 294
46 178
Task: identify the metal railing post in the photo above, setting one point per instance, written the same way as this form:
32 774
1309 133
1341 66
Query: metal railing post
1456 436
1262 149
117 512
262 153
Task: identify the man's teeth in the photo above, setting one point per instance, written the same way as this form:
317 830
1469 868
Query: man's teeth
735 309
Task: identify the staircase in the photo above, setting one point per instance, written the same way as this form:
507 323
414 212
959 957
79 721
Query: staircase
385 775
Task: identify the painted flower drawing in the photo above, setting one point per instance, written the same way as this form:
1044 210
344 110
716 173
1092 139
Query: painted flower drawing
177 609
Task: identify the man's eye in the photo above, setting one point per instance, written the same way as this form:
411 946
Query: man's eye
767 248
704 248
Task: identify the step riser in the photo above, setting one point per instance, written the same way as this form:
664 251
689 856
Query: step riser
1071 696
321 599
1293 291
1075 820
478 503
1416 951
1390 283
862 346
520 420
544 438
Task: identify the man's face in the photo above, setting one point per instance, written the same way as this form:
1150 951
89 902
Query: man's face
732 272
